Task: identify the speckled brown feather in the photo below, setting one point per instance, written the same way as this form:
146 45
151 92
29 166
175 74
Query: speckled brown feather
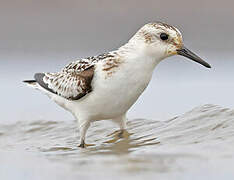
74 81
70 85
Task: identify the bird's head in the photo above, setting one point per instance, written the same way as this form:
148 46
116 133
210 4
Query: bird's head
161 40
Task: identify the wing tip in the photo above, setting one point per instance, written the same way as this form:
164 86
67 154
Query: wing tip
39 79
29 81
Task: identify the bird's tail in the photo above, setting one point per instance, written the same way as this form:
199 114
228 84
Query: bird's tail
31 83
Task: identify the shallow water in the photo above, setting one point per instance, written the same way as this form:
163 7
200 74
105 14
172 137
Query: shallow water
38 140
197 144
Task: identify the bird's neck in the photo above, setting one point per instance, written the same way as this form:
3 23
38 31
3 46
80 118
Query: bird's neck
136 55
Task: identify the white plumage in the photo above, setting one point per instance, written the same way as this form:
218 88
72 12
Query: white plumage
106 86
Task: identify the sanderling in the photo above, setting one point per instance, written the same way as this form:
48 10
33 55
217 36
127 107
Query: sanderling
104 87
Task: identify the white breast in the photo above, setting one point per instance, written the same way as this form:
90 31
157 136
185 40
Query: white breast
114 93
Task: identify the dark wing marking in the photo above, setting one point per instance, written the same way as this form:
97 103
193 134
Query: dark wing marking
78 66
39 79
68 84
74 81
82 64
29 81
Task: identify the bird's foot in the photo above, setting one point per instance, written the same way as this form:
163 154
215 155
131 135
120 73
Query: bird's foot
120 133
117 135
82 145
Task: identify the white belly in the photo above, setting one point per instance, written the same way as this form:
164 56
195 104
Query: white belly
112 95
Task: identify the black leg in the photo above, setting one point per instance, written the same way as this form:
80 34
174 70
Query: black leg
120 135
82 144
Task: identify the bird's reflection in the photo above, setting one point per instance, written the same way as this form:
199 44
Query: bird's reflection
122 142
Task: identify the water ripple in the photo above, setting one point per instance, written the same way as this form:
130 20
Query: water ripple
204 132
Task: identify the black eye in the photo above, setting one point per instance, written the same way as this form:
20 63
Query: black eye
164 36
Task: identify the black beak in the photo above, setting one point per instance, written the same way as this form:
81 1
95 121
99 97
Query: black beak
189 54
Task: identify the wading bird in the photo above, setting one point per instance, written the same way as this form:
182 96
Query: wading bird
104 87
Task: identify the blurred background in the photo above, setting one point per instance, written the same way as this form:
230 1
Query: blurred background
39 139
45 35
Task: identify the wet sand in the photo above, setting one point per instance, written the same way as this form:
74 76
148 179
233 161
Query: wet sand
196 145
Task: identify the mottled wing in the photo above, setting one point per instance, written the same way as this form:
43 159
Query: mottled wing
82 64
69 83
78 66
74 81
